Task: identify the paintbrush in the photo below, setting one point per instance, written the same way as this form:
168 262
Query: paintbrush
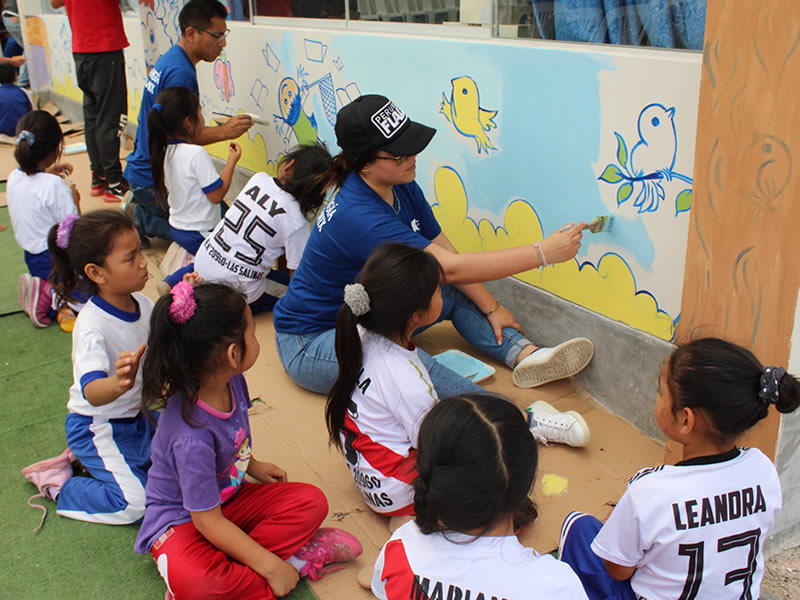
600 224
256 118
596 225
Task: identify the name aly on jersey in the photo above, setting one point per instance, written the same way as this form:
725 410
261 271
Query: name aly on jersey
694 513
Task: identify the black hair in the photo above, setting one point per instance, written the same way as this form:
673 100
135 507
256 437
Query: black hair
722 380
307 183
48 139
177 103
7 73
345 163
198 14
91 241
476 463
180 355
399 280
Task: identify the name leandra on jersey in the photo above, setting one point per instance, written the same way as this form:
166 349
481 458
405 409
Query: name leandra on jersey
441 591
694 513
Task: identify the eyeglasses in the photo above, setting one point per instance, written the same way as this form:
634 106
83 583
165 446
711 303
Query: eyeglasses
399 160
218 35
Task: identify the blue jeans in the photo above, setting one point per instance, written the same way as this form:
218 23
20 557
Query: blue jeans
151 219
14 28
310 358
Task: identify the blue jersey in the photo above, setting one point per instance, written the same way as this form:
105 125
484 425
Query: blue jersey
346 231
173 69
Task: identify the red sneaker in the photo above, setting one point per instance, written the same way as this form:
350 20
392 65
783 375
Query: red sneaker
98 185
115 192
328 545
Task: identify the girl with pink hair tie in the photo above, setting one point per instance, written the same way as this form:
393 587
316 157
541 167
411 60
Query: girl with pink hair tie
211 533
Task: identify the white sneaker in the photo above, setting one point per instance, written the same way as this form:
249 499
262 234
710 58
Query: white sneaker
544 365
547 424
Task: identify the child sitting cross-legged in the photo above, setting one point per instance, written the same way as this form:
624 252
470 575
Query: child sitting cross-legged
211 533
695 529
477 462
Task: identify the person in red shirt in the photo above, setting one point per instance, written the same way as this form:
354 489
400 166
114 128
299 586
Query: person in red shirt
98 39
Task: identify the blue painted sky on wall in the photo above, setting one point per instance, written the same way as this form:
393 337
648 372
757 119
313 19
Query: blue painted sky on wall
548 123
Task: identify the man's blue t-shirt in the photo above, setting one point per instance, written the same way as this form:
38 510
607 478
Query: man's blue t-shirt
14 103
173 69
347 230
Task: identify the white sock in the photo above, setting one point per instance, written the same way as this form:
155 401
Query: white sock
297 563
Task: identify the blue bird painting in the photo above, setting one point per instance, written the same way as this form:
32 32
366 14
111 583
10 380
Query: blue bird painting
651 162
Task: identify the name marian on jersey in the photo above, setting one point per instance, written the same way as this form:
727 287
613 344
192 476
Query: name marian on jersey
728 506
421 589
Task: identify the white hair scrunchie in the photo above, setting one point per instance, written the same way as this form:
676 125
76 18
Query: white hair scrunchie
356 297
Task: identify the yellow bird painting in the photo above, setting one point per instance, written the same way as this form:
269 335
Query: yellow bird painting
463 110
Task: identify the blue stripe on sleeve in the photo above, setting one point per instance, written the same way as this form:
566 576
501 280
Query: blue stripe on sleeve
91 376
213 186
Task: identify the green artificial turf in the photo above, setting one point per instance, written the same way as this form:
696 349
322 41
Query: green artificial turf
66 559
12 264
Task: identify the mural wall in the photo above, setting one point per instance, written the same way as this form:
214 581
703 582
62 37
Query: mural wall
529 138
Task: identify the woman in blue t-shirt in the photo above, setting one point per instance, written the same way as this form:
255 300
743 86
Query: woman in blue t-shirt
378 201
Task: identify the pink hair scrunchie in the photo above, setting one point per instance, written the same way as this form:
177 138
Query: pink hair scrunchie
64 231
183 302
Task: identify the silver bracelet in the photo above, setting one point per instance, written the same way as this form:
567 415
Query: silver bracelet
538 246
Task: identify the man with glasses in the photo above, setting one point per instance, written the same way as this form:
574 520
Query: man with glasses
203 33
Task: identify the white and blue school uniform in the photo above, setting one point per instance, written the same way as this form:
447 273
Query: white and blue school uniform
36 203
113 440
692 530
189 174
173 69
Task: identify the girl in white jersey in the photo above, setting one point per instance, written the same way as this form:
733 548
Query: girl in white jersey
268 218
695 529
383 390
184 169
100 254
477 464
38 198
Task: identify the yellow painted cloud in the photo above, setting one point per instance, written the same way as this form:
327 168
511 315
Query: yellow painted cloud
254 153
609 288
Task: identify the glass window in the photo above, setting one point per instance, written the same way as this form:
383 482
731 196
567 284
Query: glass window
396 11
670 24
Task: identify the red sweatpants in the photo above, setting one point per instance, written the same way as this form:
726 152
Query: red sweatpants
279 516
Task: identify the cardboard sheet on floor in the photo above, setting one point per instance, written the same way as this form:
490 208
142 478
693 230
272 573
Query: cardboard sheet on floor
288 429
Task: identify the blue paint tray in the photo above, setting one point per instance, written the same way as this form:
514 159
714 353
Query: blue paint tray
465 365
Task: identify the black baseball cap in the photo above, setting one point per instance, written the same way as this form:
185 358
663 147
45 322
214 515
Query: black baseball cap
374 122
